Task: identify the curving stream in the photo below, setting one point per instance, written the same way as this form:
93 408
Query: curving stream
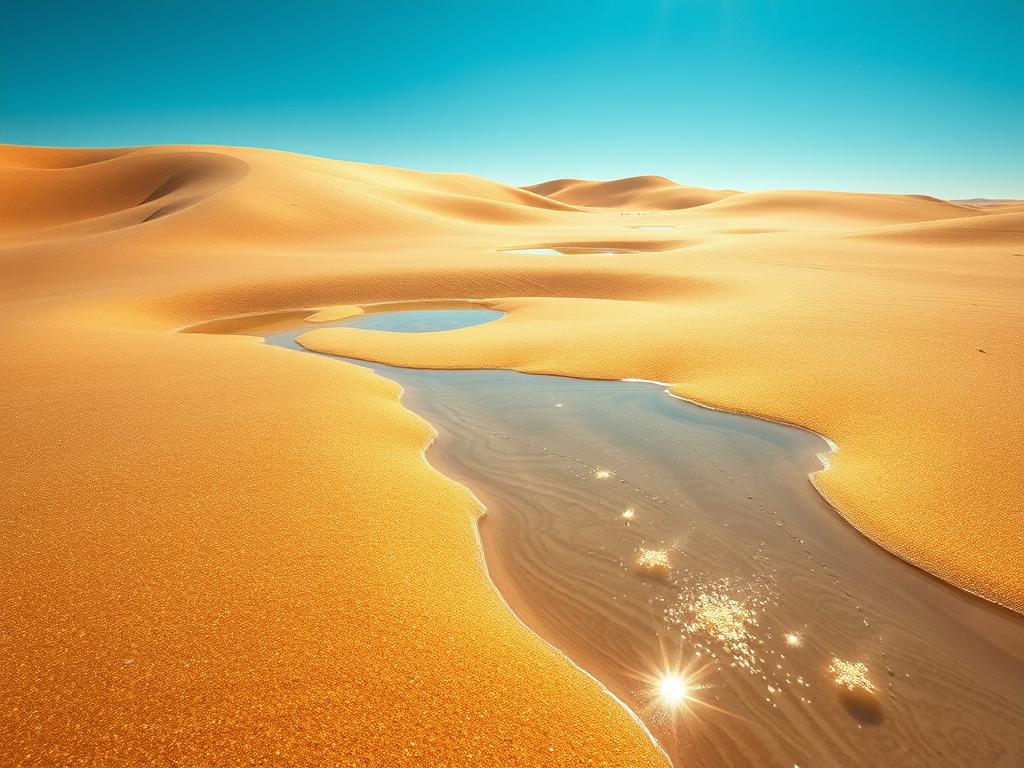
682 557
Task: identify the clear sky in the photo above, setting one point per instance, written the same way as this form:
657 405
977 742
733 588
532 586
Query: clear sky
889 96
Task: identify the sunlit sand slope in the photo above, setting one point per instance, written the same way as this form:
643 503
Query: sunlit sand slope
217 552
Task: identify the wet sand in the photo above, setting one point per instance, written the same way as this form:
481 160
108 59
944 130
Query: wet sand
759 597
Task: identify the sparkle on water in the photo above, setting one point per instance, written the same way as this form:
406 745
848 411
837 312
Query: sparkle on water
653 561
852 675
721 617
793 639
726 618
628 514
602 474
672 689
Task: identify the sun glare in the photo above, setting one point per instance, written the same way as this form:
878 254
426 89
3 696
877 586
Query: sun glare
672 689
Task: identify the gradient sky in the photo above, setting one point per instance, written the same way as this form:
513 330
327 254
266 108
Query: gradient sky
924 97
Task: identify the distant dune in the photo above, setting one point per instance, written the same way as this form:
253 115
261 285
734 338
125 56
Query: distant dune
209 540
985 202
997 228
835 208
782 207
643 193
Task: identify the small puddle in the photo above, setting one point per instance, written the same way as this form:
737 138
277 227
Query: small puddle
422 320
681 556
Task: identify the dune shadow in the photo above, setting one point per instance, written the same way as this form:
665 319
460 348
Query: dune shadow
177 205
174 182
205 170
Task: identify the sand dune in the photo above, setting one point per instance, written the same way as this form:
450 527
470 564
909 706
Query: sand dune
50 189
988 202
1000 228
208 540
1010 206
823 209
62 193
646 193
835 208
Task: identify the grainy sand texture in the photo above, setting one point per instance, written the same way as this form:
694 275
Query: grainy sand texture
219 552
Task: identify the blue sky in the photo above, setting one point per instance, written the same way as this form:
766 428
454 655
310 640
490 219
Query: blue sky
924 97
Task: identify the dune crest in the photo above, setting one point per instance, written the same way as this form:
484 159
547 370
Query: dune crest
645 193
852 209
67 192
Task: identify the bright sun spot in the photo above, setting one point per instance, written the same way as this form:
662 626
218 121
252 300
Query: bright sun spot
793 639
672 689
602 474
628 514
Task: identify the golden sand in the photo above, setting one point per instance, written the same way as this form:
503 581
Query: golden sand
221 552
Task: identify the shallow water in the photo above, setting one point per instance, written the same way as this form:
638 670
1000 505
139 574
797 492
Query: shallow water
728 571
566 251
422 321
